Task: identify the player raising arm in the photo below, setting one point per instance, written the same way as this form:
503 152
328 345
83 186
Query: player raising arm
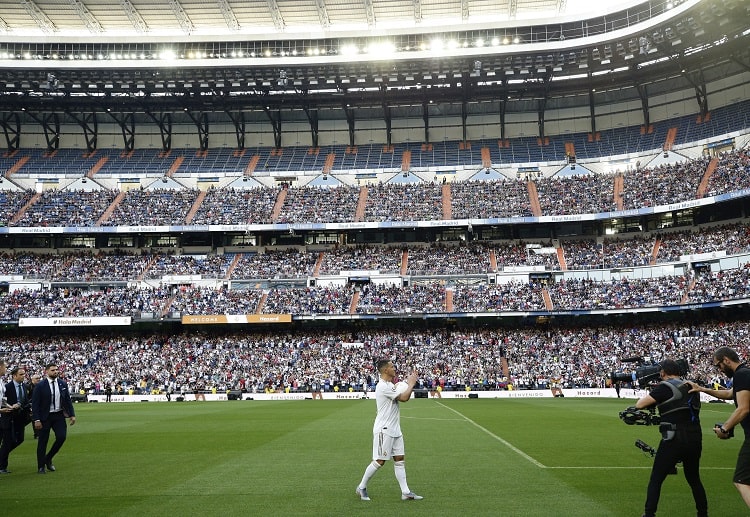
388 442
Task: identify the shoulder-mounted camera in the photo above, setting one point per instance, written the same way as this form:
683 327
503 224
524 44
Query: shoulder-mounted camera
644 374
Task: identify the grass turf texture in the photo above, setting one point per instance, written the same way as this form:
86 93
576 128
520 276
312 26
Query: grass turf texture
525 457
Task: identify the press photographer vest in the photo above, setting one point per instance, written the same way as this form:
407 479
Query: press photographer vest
681 400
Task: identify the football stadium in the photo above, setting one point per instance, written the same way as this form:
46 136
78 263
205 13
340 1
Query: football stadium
218 216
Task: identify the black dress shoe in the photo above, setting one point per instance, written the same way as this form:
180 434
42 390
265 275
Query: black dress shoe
41 471
51 467
4 471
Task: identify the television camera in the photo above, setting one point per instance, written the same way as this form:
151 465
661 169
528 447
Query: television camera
634 416
644 374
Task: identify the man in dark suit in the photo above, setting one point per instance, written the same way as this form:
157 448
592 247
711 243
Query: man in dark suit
16 394
50 406
5 408
35 378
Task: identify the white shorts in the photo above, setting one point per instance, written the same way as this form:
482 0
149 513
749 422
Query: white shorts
385 447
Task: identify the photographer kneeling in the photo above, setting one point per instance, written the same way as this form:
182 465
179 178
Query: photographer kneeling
681 436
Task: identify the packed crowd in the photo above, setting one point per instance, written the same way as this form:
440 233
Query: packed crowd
609 253
512 296
731 238
11 202
731 174
449 258
54 206
236 206
663 185
315 205
582 194
374 298
622 294
362 258
201 301
207 266
336 360
309 300
140 207
473 199
391 299
728 284
489 199
404 202
284 263
437 259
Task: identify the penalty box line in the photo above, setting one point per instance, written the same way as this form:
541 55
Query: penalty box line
496 437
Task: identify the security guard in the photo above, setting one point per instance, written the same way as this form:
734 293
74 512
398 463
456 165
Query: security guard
681 436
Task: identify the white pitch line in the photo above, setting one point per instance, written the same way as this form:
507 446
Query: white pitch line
430 418
628 468
541 465
496 437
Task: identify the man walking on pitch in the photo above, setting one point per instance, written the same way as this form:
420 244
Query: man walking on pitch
728 362
50 406
681 437
388 442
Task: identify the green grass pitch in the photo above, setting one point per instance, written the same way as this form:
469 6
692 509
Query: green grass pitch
499 457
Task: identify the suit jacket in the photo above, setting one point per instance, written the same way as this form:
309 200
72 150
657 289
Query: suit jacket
41 399
19 416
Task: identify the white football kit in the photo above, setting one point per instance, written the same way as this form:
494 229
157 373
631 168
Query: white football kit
387 438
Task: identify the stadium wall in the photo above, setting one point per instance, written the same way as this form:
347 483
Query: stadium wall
625 394
509 394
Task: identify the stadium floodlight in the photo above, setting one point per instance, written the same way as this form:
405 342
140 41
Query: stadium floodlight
168 55
345 50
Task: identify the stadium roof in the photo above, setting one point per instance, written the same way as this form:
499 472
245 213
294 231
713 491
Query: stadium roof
199 61
104 19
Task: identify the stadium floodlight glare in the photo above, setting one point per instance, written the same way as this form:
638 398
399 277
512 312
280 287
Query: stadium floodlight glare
437 44
346 50
168 55
383 48
479 43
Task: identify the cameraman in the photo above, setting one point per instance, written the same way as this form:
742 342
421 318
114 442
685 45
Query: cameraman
728 362
681 436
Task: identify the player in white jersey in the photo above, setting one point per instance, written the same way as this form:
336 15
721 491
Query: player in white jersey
388 442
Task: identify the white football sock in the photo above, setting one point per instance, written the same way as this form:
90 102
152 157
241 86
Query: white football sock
370 471
400 470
